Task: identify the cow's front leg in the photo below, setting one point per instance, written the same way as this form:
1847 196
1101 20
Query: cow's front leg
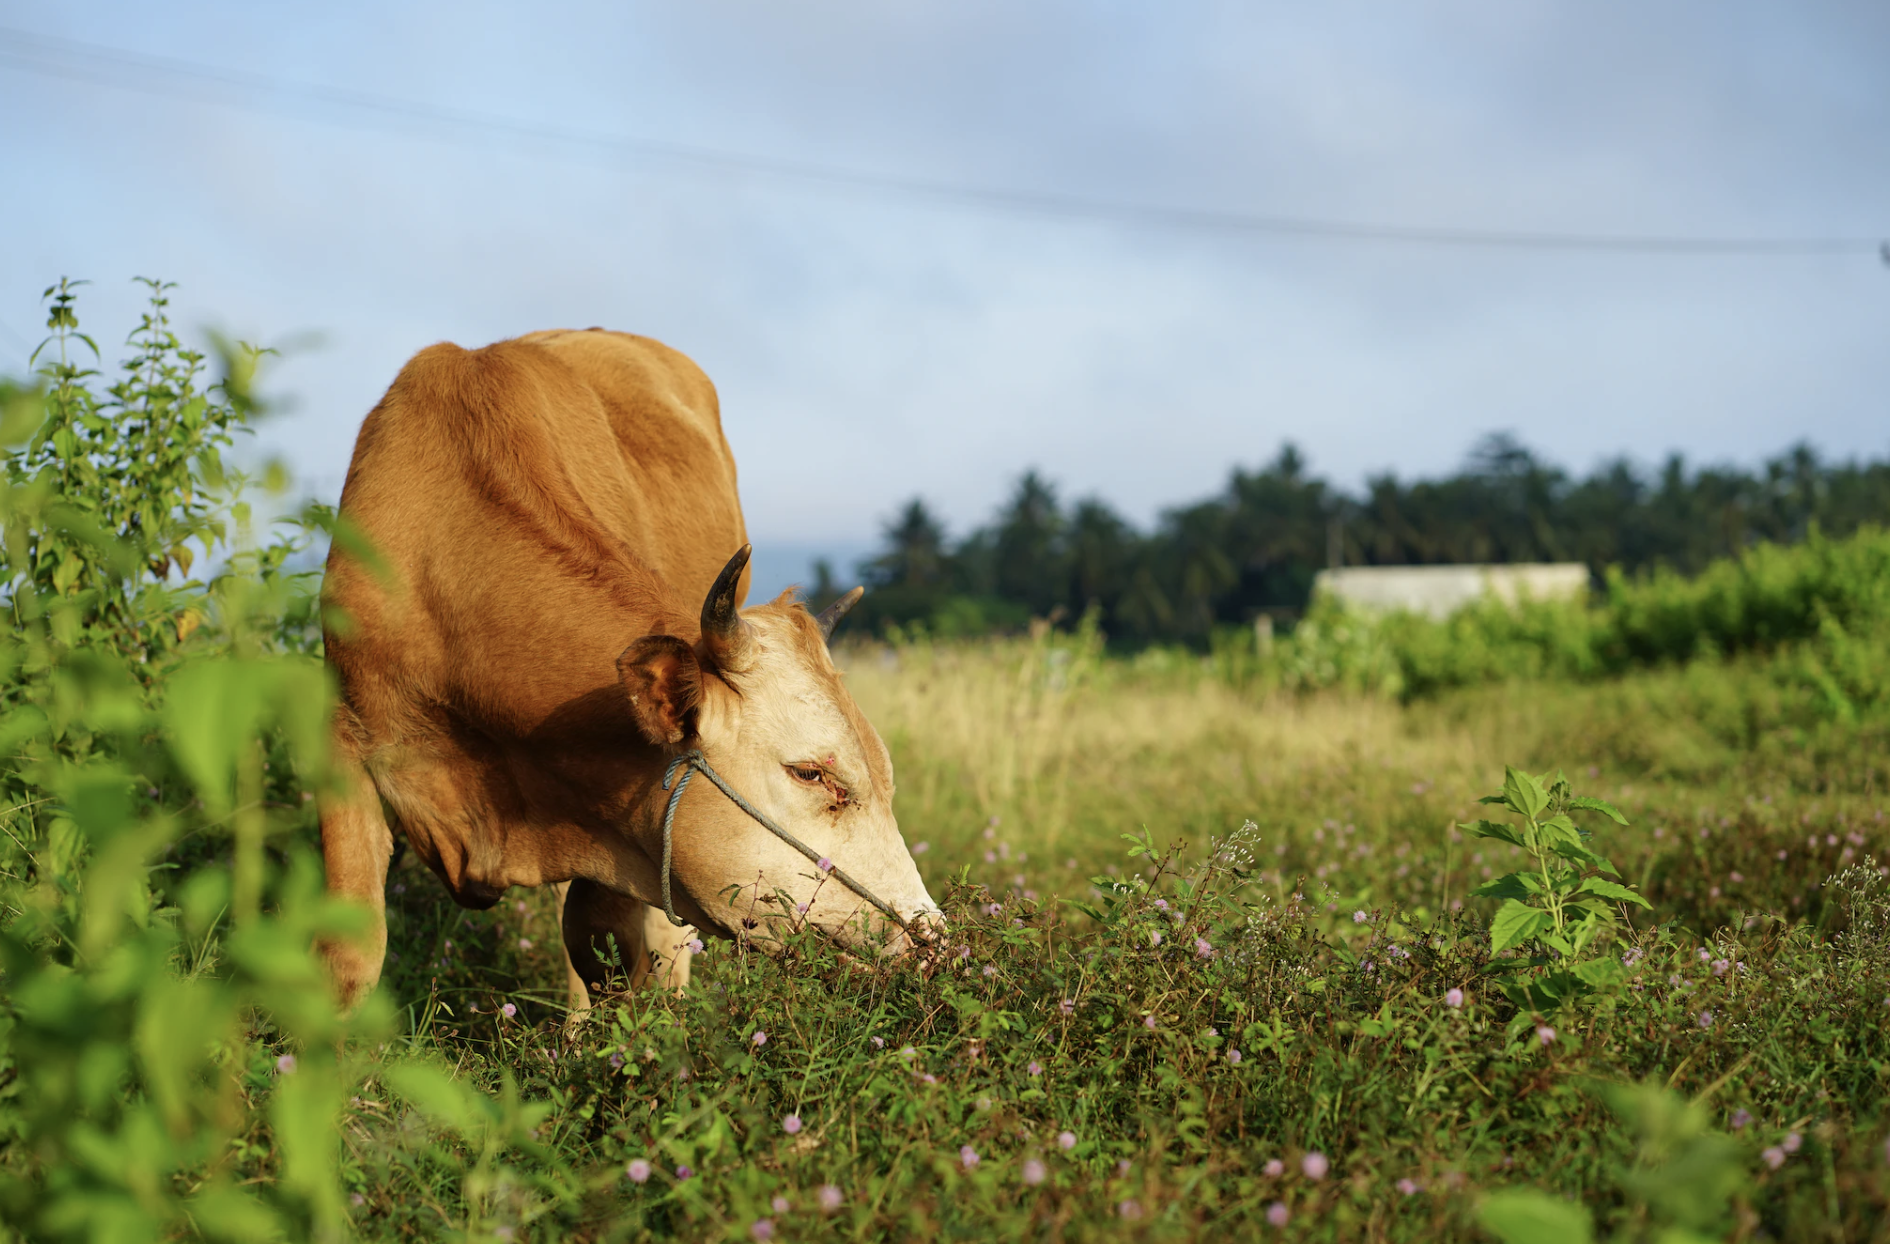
649 949
356 847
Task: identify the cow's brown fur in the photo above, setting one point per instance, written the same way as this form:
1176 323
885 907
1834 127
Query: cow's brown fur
541 508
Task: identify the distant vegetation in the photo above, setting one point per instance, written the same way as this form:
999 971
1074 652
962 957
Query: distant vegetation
1255 548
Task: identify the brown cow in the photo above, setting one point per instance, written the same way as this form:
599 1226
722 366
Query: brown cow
555 619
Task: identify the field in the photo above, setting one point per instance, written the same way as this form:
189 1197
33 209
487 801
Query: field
1219 966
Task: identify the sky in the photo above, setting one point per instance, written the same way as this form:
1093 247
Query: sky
924 247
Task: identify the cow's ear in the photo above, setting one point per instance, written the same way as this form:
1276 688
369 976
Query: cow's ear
664 683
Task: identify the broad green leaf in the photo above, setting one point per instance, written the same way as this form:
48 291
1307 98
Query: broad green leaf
1523 792
1560 829
1514 885
1497 830
1598 805
1514 924
439 1097
1601 973
212 710
1613 890
1526 1216
1579 851
222 1212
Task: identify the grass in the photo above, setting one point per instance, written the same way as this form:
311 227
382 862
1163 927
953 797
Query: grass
1753 993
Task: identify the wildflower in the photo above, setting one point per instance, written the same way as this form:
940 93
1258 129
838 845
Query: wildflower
1274 1168
616 1060
763 1229
1129 1209
983 1103
524 944
1359 917
992 909
1033 1171
800 909
1706 1019
1213 1032
964 952
695 945
1277 1215
929 1078
1123 1166
1066 1141
1741 1118
1545 1034
1314 1165
509 1011
1705 954
286 1065
760 1038
920 848
1148 1022
967 1157
829 1197
1233 1056
1792 1141
356 1199
1154 939
824 864
1035 1068
1067 1006
1408 1186
1633 956
1203 949
908 1053
1720 966
1453 998
684 1172
791 1124
638 1171
1161 904
1774 1157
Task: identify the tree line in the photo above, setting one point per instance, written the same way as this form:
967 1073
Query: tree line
1254 547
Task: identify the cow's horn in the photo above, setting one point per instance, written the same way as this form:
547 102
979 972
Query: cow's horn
831 615
724 633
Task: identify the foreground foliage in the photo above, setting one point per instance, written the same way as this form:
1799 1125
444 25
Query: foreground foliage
1227 959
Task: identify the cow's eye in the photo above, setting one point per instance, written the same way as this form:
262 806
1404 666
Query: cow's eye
807 774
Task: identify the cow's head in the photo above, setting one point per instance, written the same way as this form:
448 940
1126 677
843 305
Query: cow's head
758 693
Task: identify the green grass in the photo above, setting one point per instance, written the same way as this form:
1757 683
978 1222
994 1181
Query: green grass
1347 1047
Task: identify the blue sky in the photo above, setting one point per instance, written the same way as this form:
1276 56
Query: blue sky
870 345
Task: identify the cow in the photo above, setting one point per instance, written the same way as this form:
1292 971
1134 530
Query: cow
532 612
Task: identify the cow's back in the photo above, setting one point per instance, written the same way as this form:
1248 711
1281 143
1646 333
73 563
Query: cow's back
537 505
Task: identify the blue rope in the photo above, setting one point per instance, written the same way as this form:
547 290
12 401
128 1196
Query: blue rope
692 760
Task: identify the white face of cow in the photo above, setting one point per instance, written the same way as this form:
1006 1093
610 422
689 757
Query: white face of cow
761 698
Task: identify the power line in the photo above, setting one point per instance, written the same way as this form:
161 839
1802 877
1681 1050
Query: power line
159 75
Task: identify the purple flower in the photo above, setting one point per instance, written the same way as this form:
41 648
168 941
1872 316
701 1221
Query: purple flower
524 943
779 1205
1161 904
824 864
1148 1022
920 848
964 952
1774 1157
1359 917
1792 1141
1314 1165
1066 1141
1409 1186
356 1199
967 1157
286 1065
763 1229
1067 1006
992 909
791 1124
829 1197
1720 966
1274 1168
1706 1019
616 1060
800 909
1035 1068
695 945
1741 1119
1277 1215
684 1172
1123 1166
1453 998
1033 1171
1129 1209
1154 939
638 1171
879 1043
989 970
760 1038
1203 949
509 1011
1233 1056
1545 1034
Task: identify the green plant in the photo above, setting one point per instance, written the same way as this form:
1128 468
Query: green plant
1563 901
